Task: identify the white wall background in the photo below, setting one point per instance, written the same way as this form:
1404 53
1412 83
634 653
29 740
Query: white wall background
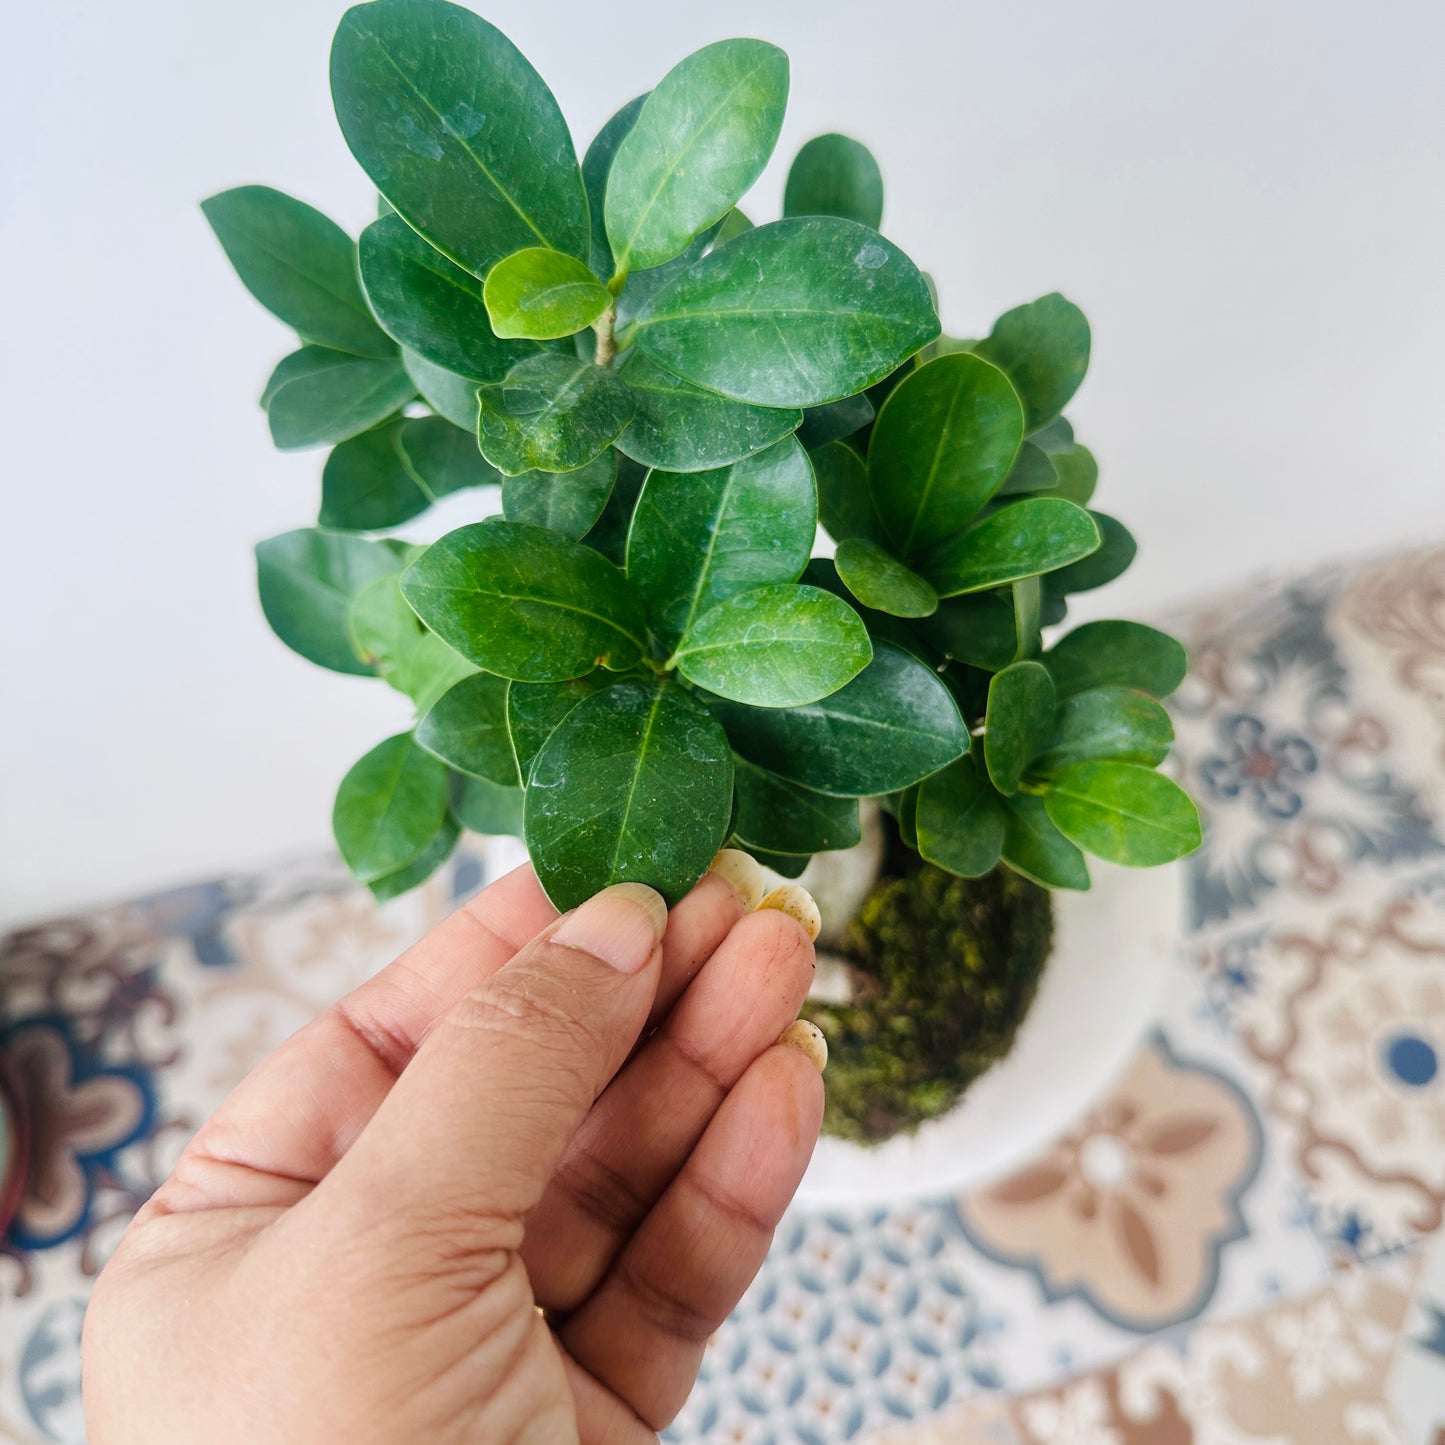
1247 198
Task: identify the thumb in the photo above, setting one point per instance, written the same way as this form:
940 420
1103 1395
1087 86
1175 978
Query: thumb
475 1126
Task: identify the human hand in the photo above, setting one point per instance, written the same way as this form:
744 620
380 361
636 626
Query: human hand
352 1247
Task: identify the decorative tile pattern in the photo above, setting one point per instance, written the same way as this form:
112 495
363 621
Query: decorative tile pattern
1242 1245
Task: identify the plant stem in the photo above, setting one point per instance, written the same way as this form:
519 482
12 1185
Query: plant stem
606 343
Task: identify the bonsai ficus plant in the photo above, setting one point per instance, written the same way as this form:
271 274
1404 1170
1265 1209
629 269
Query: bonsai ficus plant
641 660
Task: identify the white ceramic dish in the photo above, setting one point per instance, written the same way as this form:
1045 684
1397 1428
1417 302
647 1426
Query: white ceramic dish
1095 1000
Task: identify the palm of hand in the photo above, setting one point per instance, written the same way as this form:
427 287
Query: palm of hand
356 1245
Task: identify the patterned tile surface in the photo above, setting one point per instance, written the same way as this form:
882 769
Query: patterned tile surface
1241 1245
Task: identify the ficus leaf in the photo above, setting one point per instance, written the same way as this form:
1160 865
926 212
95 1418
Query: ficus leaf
882 582
1106 722
466 727
396 645
771 812
635 783
702 537
543 294
680 427
960 820
300 265
565 502
1018 721
1044 348
1113 558
835 176
552 414
596 165
1124 812
609 534
448 393
845 505
431 305
1033 471
781 645
368 483
835 420
979 629
701 139
484 807
457 131
1125 653
1033 846
526 603
316 396
1027 595
534 710
1078 474
795 313
389 807
895 723
443 458
942 445
307 581
1021 539
393 885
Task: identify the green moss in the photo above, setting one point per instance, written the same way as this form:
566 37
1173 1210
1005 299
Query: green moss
945 970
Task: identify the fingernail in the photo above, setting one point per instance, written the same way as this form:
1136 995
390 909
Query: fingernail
743 873
797 903
621 926
808 1040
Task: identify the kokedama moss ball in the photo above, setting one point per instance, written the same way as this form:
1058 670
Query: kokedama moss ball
944 971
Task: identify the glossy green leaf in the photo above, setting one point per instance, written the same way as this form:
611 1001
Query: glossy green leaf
795 313
772 813
699 538
535 709
701 139
785 865
835 420
905 813
443 458
565 502
316 396
822 572
980 630
642 286
1033 471
782 645
1106 722
835 176
682 428
635 783
393 885
430 304
895 723
882 582
368 484
1078 474
1115 555
525 603
609 535
942 445
299 265
395 644
735 223
1017 724
1033 846
1126 653
1022 539
1028 597
448 393
307 581
960 820
466 727
552 414
1124 813
457 131
1044 348
543 294
484 807
845 505
596 165
1057 436
389 807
